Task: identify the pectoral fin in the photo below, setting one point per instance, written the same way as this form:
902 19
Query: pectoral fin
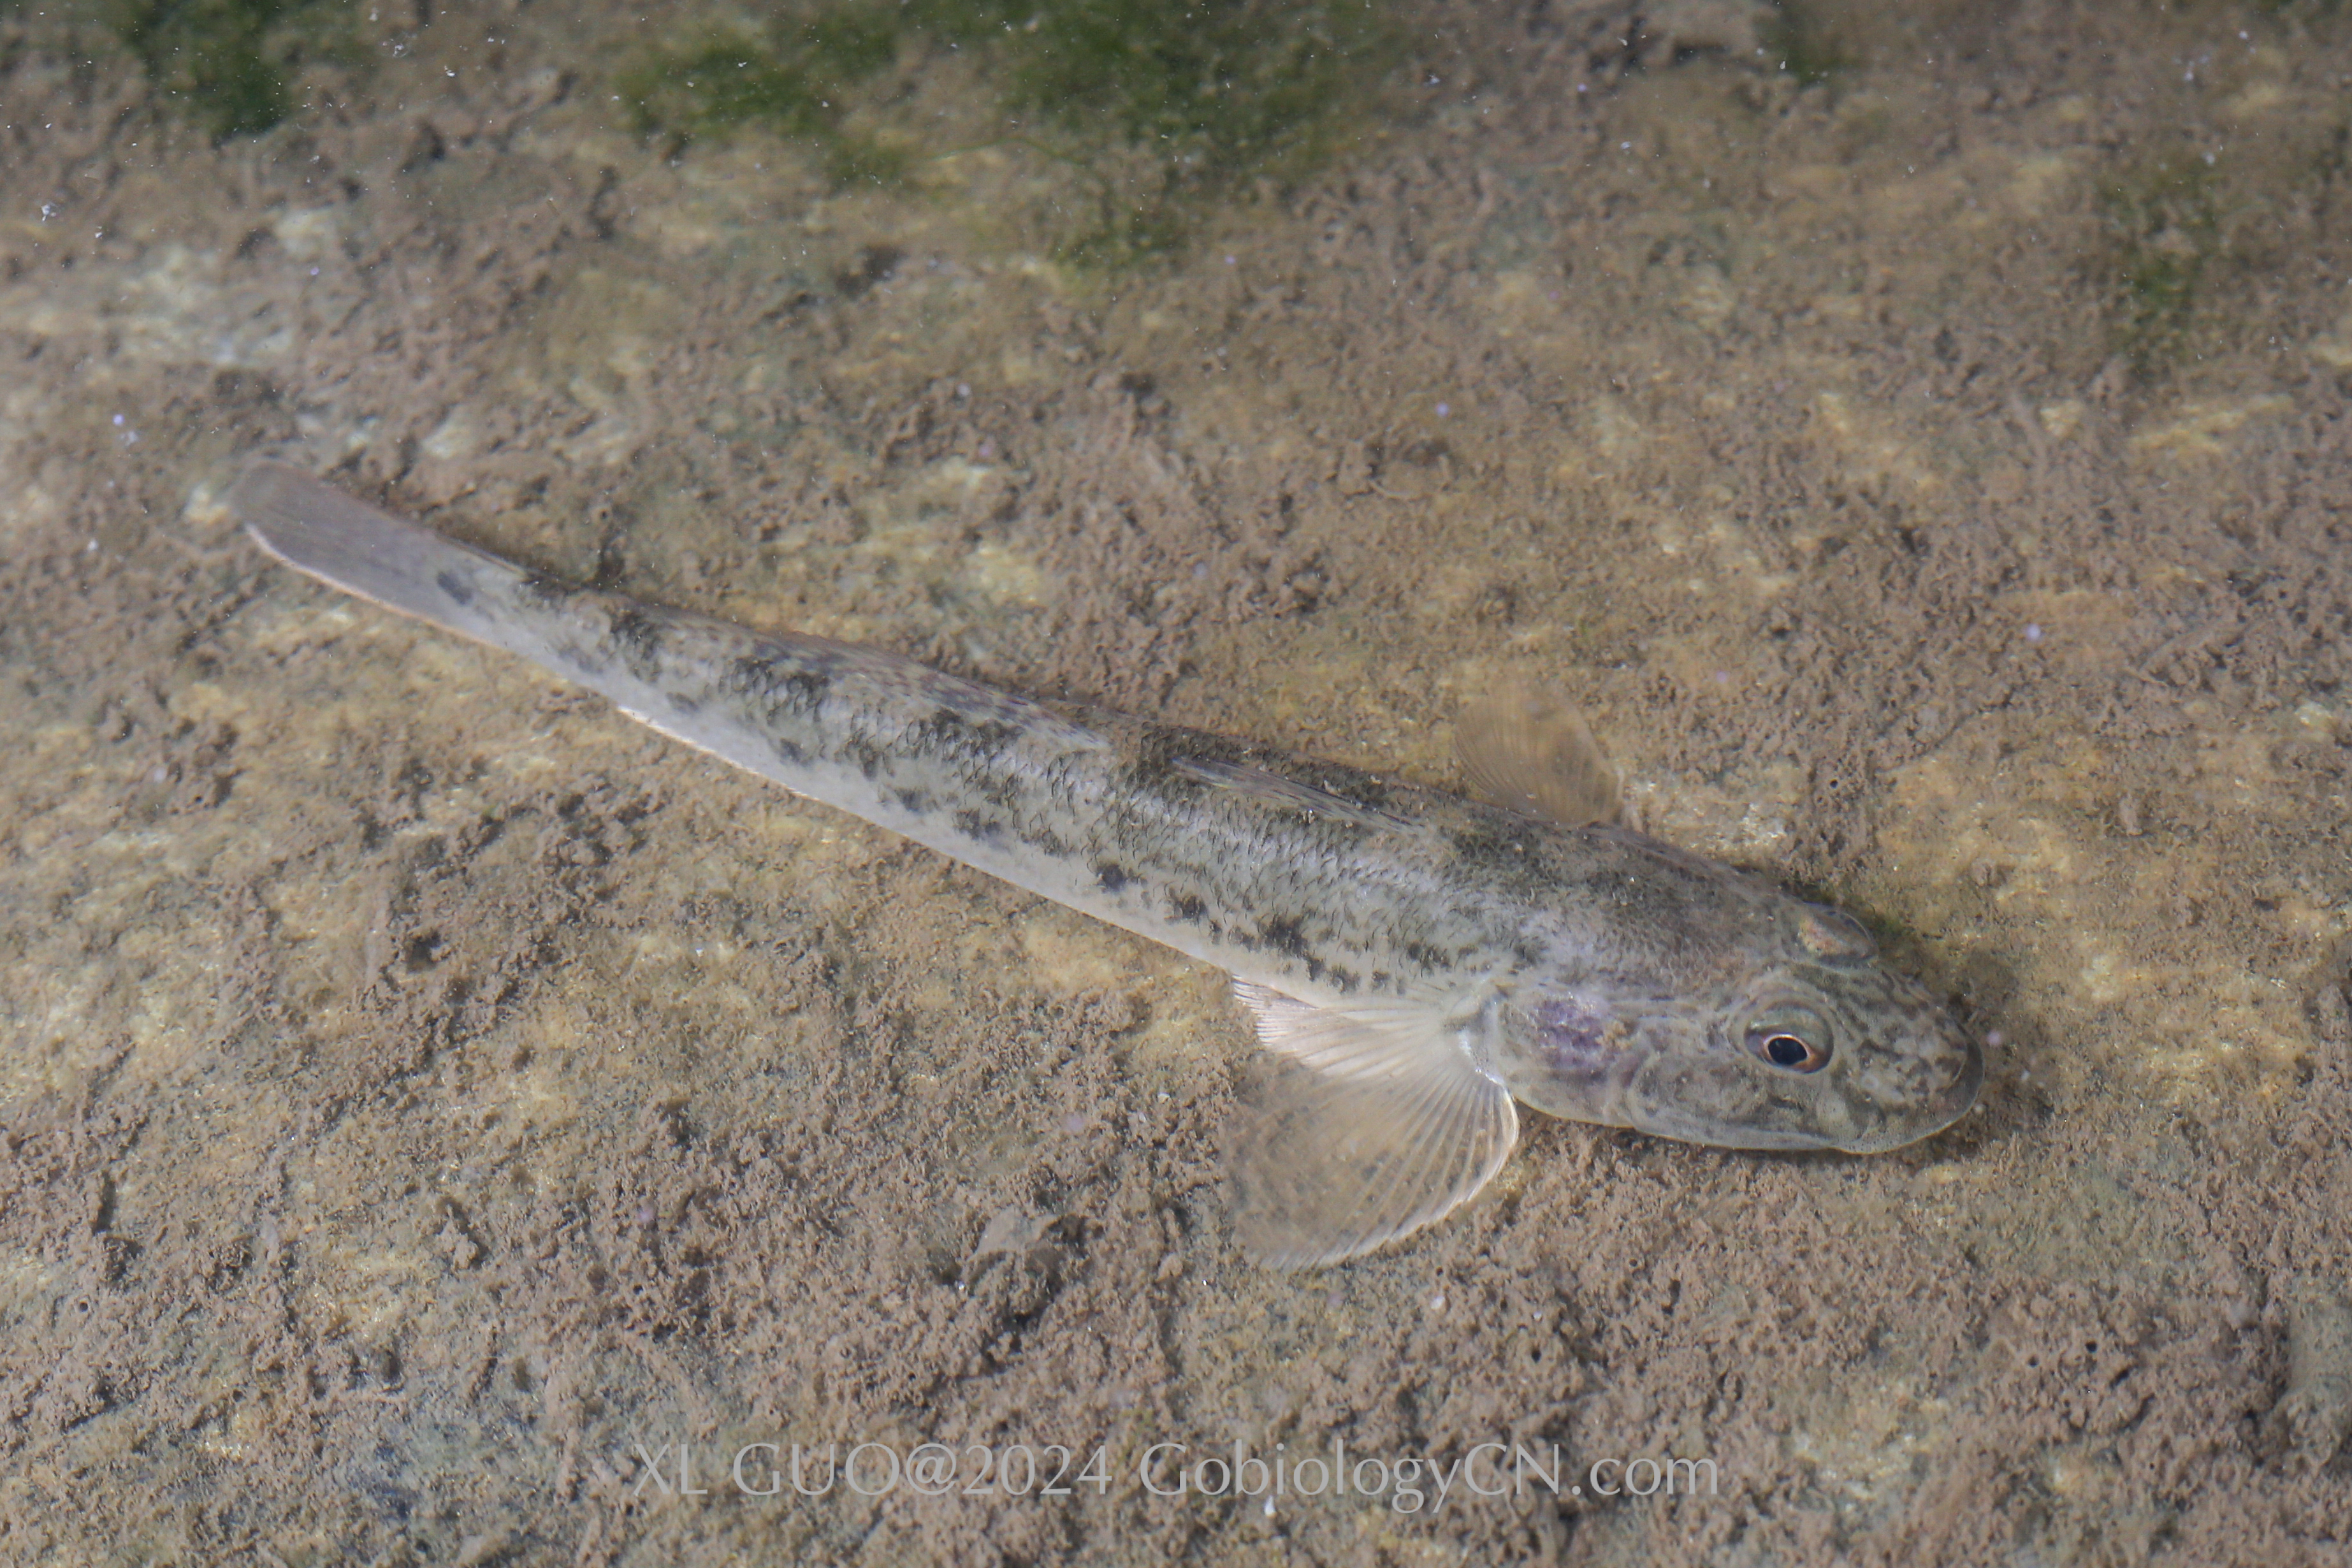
1526 750
1372 1125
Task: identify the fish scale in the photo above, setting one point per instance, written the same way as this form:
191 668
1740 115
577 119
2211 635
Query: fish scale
1412 959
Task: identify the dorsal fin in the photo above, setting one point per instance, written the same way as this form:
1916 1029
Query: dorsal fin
1525 749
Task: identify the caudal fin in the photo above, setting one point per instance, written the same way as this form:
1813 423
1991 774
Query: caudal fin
366 550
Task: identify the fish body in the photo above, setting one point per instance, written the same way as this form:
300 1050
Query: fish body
1415 960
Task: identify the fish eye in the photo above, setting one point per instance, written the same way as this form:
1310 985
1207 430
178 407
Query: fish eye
1788 1049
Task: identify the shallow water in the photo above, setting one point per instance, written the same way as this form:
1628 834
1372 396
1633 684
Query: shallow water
439 1119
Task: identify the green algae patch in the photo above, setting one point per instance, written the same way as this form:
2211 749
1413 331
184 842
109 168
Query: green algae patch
222 65
1806 45
2162 234
1162 107
798 82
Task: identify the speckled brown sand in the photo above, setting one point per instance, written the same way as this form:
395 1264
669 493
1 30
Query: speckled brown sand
425 1098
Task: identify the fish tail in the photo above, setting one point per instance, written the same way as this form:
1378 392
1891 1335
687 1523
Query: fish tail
365 551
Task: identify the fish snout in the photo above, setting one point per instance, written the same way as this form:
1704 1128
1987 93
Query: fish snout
1953 1101
1921 1086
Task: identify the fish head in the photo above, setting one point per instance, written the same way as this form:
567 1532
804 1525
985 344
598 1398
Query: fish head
1811 1043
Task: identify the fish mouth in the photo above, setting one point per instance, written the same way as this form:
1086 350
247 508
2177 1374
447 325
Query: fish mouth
1939 1111
1948 1105
1659 1122
1961 1093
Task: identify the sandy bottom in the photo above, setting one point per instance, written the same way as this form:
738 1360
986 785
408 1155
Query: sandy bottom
443 1122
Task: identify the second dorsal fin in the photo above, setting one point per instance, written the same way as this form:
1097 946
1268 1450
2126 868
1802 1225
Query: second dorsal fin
1527 750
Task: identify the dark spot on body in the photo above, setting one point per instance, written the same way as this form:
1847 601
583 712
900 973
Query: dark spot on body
679 703
1186 908
998 789
863 750
914 801
807 685
777 674
543 590
1110 875
1284 937
460 592
958 728
639 638
971 825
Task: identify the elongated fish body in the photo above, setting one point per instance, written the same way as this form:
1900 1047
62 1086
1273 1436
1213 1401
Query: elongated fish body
1413 959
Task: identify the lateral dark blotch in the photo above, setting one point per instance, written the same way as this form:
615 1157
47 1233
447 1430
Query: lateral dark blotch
1283 935
460 592
1186 906
1000 790
1110 875
865 751
972 825
1422 954
995 733
914 801
546 592
806 683
955 731
639 637
778 675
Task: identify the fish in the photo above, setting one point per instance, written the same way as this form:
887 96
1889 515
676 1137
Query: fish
1416 964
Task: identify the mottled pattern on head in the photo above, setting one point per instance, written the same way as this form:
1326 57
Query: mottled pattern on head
1886 1061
